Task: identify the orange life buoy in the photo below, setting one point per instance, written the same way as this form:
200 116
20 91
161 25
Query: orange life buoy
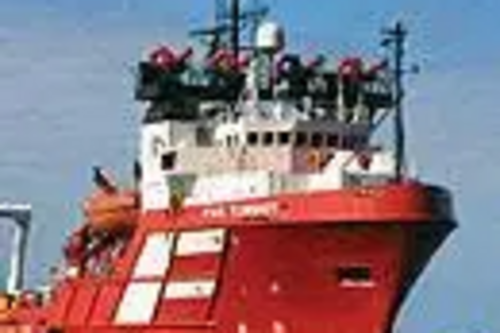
315 159
5 302
6 307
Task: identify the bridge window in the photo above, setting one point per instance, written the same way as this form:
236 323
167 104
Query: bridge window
358 141
317 140
301 139
347 142
332 140
252 138
168 161
268 139
284 138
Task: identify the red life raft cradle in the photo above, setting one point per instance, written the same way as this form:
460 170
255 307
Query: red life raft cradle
262 203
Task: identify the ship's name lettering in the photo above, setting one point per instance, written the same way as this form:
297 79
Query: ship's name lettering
258 210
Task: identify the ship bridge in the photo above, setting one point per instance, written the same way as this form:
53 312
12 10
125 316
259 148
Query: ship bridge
259 122
249 157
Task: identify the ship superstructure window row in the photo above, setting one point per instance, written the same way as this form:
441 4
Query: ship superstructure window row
300 140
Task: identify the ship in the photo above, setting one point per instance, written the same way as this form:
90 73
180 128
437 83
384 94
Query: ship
263 200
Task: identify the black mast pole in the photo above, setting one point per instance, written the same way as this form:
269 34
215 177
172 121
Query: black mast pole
400 37
235 27
396 40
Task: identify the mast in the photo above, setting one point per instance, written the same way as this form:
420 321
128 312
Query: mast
395 41
231 20
235 27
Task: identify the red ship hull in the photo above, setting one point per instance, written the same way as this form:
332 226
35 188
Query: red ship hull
330 262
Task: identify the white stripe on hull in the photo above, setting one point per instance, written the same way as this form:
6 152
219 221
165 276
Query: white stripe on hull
189 290
138 303
154 260
192 243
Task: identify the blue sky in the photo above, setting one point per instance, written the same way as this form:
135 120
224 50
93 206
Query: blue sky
66 104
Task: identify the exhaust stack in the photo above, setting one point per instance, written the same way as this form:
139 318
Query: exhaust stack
21 215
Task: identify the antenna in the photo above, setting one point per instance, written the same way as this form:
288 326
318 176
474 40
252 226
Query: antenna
235 27
220 11
395 40
230 21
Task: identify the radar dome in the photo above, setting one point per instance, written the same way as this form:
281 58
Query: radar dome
270 37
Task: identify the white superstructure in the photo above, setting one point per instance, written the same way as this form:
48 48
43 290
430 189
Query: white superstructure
294 127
